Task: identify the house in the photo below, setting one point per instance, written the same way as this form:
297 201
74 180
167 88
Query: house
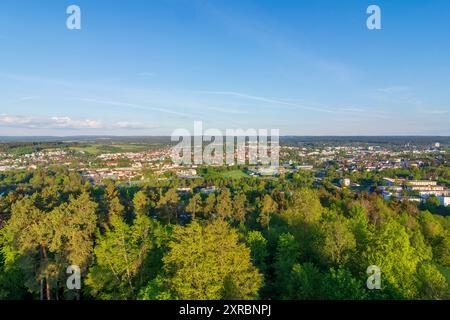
209 190
304 167
445 201
184 190
416 183
267 171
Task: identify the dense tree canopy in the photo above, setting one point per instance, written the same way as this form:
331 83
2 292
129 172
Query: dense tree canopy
251 238
209 262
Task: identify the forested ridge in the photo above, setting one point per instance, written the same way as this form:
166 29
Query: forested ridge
253 238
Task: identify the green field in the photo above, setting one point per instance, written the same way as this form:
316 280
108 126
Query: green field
96 149
235 174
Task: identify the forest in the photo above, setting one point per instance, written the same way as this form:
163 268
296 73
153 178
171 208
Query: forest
253 238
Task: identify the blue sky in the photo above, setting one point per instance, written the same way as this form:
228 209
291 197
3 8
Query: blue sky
149 67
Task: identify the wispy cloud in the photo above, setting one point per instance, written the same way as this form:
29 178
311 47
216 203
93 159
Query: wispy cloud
271 101
48 122
56 122
432 111
28 98
131 125
399 95
134 106
394 89
360 112
352 109
24 99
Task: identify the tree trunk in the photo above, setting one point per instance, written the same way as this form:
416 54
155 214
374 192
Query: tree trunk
47 283
47 287
41 281
41 291
126 261
57 291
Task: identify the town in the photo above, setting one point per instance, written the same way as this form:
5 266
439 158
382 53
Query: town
413 172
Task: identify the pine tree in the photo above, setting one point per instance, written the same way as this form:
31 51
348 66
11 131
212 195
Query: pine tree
29 231
195 205
141 203
223 205
168 205
209 207
239 207
268 208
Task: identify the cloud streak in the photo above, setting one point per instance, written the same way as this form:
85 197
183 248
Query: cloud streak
35 122
134 106
270 100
